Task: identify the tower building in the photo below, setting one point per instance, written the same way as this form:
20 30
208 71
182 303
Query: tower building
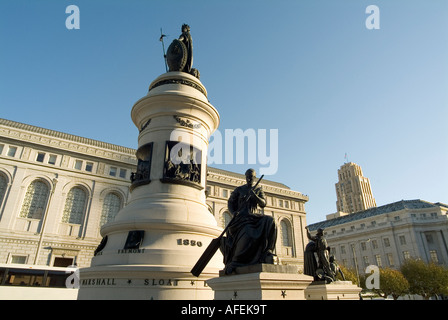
353 190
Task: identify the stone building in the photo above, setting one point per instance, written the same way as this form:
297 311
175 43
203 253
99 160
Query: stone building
388 235
57 190
362 234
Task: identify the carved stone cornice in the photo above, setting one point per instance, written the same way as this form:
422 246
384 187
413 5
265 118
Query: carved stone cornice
178 81
59 140
234 179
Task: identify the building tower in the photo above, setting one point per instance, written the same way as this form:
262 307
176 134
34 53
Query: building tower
353 190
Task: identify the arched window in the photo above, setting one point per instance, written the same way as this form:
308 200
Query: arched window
75 206
3 186
35 201
285 228
111 206
227 218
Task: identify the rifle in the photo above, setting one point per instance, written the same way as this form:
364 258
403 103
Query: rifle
215 243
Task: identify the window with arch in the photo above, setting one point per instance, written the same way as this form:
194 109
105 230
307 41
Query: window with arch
111 205
35 201
227 218
3 186
75 206
286 233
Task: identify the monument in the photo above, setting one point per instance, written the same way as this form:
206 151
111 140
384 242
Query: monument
323 268
252 277
251 235
148 250
249 238
165 244
316 258
248 248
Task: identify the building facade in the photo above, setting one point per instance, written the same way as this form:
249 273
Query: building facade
57 190
353 190
388 235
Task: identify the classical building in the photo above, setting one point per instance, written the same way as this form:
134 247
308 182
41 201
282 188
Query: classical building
362 234
388 235
57 190
353 190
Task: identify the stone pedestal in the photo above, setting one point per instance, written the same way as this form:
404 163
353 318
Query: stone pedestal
149 249
338 290
261 282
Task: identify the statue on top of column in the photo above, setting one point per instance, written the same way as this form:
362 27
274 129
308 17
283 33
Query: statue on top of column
179 56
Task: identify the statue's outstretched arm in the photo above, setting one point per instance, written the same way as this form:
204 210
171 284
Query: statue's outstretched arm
308 234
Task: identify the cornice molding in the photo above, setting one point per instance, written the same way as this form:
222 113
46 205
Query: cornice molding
58 135
64 141
234 179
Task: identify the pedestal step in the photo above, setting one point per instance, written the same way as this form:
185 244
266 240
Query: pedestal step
261 282
339 290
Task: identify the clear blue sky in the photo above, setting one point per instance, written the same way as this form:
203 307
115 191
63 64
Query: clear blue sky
310 69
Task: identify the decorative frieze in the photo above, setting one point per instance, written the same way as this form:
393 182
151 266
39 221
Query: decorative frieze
186 123
178 81
267 187
182 164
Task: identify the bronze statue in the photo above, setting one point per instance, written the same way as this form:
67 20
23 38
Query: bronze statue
179 167
179 56
251 235
309 260
335 268
320 269
185 37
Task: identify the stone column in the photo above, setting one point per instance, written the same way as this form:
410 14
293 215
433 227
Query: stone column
151 246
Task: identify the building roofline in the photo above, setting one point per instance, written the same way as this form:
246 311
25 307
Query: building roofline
441 204
243 177
66 136
391 207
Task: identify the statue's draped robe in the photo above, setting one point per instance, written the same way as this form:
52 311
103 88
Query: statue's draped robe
322 254
309 261
185 37
319 245
251 236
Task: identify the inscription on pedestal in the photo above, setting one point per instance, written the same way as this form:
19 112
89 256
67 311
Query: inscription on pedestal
98 282
148 282
161 282
131 251
188 242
